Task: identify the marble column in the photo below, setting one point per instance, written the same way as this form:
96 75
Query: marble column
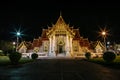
53 46
67 46
71 50
50 47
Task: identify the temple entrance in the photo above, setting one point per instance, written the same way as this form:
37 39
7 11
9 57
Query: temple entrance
60 49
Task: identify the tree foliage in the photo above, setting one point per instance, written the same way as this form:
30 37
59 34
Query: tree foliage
109 56
34 56
15 57
6 46
88 55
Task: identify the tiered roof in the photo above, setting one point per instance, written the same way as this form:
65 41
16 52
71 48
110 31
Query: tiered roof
45 32
95 43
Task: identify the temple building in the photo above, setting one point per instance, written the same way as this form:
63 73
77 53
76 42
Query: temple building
59 40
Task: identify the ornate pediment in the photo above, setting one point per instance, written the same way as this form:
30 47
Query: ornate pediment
61 28
60 21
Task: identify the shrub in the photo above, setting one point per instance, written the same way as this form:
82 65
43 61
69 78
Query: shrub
109 56
1 54
34 56
88 55
15 57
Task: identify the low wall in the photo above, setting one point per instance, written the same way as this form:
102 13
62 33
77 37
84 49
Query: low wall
42 55
29 55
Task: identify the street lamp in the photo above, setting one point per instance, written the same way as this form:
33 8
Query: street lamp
18 35
104 33
14 46
108 45
104 37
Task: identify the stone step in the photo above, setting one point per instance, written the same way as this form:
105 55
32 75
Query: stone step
61 54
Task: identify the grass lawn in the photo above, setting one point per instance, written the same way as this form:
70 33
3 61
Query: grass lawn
115 64
4 60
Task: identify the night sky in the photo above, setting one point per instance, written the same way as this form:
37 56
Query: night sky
32 17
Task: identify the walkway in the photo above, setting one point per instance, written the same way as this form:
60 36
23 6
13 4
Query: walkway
59 69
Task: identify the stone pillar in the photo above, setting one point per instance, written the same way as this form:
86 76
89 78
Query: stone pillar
67 47
71 50
50 47
70 44
52 43
53 46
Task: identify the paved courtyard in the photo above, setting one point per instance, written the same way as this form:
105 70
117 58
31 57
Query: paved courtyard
59 69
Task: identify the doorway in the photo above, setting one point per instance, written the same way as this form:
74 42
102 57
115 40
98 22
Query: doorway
60 49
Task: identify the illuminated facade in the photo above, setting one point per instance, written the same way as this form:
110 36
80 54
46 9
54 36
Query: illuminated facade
60 40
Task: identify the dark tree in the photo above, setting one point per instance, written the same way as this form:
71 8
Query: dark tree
6 46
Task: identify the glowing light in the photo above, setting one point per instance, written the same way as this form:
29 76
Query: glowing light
103 33
14 43
108 42
18 33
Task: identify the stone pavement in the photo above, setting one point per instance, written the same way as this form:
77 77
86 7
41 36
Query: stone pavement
59 69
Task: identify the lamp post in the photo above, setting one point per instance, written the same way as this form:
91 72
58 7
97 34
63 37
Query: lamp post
104 38
18 35
14 46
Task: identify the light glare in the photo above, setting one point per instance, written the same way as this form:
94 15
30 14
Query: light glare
18 33
103 33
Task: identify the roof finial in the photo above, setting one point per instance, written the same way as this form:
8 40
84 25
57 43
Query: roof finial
60 13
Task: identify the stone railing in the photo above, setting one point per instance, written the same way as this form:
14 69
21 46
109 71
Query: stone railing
29 55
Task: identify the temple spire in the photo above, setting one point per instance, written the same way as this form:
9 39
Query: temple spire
60 13
60 19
